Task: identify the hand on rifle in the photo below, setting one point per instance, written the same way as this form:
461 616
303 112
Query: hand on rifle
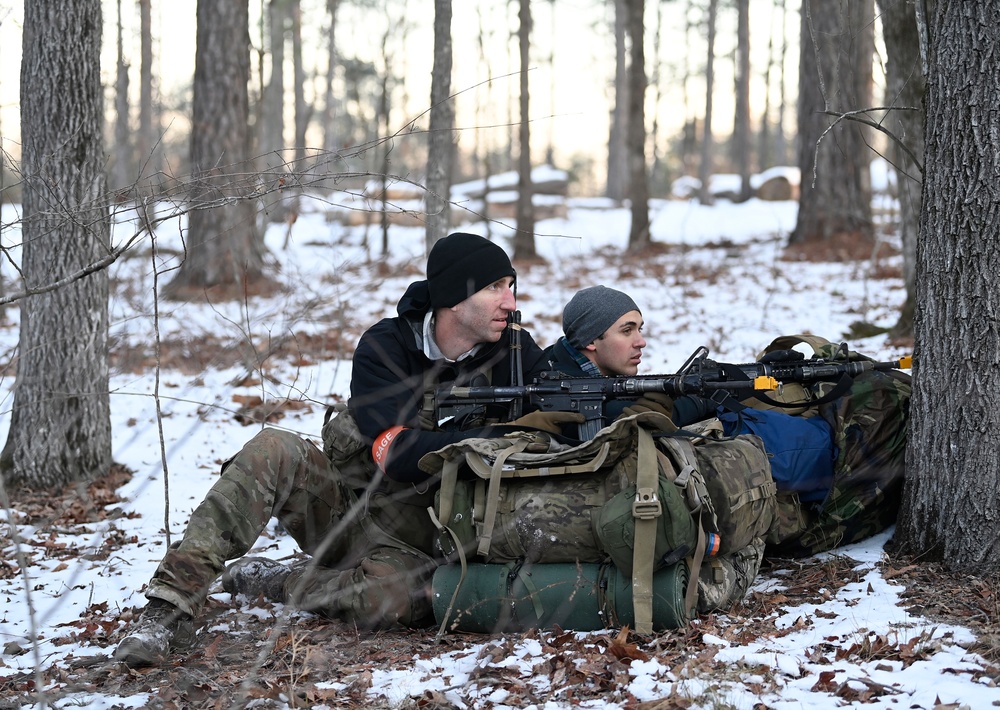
549 421
652 402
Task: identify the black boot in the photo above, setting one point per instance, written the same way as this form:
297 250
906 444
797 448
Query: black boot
160 628
256 576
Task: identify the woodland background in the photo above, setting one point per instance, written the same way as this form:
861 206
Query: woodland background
910 81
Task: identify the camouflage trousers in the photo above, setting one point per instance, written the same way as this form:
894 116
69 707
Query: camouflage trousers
358 572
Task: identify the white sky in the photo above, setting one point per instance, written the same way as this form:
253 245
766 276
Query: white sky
742 298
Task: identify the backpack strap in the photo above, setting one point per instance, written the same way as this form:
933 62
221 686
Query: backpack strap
691 481
646 509
493 495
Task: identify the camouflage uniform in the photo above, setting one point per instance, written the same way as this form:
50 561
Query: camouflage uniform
361 574
370 536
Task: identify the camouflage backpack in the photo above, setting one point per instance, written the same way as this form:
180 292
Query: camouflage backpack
633 495
869 426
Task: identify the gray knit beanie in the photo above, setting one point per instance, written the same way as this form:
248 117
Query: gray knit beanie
591 312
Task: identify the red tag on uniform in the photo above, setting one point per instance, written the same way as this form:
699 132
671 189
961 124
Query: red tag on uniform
380 449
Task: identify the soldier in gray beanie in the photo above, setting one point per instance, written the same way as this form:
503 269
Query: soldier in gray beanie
592 311
602 337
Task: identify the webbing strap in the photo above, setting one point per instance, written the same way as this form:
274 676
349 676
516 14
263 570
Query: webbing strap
646 509
465 568
692 483
449 481
493 495
694 570
484 470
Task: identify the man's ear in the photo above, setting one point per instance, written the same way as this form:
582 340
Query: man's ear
591 347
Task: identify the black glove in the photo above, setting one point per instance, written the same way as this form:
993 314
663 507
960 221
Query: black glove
652 402
549 421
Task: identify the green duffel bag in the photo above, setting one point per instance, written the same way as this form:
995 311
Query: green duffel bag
517 597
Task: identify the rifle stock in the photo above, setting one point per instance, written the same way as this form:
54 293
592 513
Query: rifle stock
698 376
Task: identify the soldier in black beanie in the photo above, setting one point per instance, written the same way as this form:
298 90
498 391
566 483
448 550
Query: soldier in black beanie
461 264
371 568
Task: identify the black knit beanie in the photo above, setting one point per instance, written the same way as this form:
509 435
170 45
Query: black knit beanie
591 312
461 264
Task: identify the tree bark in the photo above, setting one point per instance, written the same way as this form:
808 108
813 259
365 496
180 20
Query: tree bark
331 144
904 90
524 235
617 182
60 428
705 164
440 142
146 135
835 60
638 238
122 172
741 122
223 249
271 140
950 510
303 111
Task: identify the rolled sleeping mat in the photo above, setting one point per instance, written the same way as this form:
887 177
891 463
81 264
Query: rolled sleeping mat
578 597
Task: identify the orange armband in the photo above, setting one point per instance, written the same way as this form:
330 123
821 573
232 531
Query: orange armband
380 449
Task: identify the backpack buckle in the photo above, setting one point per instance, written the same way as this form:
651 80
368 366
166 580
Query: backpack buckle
646 505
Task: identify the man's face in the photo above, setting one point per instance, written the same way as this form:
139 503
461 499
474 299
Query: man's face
483 315
619 350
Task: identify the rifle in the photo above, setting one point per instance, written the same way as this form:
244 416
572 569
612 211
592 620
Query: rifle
555 392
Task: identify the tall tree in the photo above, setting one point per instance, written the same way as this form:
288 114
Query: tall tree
835 70
440 143
524 234
638 237
60 427
617 183
330 141
904 89
223 248
741 122
271 134
303 110
951 502
707 147
146 135
122 170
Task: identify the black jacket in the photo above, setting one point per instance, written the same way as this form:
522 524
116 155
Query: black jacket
391 375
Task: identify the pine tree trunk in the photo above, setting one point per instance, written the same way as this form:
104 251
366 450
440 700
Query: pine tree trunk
60 429
223 249
442 122
951 509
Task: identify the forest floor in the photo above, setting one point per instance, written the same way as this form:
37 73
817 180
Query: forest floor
242 657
